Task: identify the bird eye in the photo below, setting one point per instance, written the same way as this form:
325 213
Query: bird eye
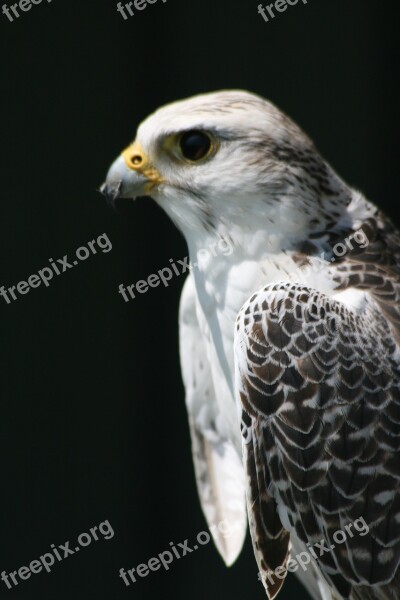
195 145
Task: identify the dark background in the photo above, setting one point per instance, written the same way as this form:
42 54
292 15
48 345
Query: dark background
93 423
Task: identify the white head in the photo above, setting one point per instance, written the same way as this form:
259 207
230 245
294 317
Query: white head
228 159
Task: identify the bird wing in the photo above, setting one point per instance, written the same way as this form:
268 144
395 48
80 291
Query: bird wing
319 387
218 467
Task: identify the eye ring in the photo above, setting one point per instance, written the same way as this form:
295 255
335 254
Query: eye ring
195 145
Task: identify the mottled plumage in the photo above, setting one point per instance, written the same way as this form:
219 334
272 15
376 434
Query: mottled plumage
299 325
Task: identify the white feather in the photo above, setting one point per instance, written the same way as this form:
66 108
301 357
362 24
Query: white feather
218 465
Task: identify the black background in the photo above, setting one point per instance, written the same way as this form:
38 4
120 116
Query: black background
93 423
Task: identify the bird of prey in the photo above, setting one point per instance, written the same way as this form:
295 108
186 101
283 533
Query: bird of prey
290 344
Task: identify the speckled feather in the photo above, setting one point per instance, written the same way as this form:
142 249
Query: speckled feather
320 384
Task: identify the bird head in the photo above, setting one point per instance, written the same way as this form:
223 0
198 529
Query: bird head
226 159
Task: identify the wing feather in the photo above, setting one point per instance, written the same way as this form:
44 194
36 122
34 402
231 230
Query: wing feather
218 467
320 385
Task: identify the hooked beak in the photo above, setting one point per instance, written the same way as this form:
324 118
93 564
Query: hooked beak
121 182
130 176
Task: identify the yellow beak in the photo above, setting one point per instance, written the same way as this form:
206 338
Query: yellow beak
131 175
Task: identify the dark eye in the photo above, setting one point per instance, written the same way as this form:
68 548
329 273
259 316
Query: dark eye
195 145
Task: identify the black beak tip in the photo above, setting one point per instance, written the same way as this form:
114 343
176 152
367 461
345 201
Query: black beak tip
111 193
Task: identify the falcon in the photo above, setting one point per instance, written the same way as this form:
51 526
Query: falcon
289 345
